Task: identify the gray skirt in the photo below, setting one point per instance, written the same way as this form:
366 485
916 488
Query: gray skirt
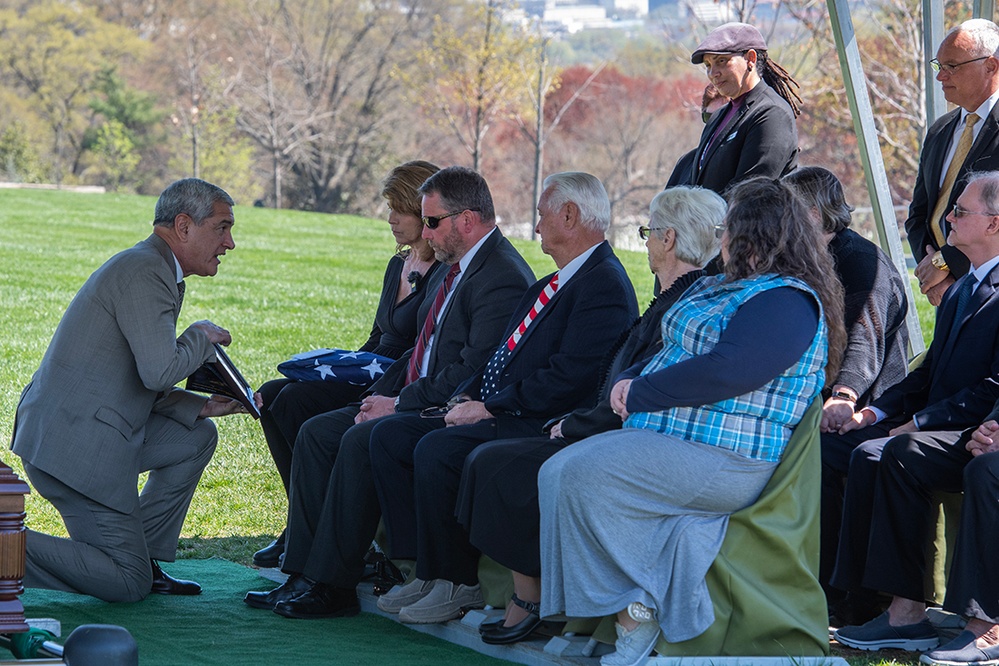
634 515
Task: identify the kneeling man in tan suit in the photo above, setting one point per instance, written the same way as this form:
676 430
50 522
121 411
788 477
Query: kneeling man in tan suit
103 407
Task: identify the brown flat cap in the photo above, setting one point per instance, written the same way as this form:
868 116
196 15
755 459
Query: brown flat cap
729 38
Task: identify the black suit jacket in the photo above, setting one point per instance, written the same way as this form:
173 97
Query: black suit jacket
762 140
957 384
469 328
556 364
641 343
984 156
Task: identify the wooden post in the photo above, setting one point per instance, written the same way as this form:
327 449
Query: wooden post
12 543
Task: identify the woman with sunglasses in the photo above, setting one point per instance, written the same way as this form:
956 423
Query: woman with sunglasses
632 519
289 403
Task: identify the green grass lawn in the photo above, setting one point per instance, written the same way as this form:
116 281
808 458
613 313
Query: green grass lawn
295 281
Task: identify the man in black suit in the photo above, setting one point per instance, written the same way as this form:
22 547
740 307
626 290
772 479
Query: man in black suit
547 365
911 471
968 70
957 385
333 509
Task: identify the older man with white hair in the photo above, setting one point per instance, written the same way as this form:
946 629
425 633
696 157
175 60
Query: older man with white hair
888 513
546 366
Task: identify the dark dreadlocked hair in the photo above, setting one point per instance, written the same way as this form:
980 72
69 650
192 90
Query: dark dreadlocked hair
779 79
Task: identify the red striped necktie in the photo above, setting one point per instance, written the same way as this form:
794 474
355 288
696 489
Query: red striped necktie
416 360
491 376
543 298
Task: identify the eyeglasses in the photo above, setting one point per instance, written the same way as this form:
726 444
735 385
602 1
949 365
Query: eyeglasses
719 230
959 212
941 67
645 232
433 221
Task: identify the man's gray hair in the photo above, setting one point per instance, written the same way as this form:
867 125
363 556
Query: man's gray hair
191 196
983 33
584 190
694 213
990 189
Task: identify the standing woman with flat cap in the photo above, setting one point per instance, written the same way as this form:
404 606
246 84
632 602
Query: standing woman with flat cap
754 134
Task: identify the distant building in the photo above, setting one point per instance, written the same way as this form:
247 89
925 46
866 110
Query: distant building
627 7
577 17
562 16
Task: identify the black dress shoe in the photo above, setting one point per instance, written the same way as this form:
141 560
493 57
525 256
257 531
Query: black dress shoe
164 584
488 625
498 634
291 588
320 600
270 556
501 635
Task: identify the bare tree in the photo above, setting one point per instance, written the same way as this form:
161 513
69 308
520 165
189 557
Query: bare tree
538 132
628 131
316 92
473 72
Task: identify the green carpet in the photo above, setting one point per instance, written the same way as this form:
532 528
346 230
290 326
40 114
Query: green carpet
216 627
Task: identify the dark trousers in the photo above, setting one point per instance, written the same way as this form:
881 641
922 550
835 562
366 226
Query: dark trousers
288 404
836 452
973 584
332 508
892 558
498 500
108 552
418 464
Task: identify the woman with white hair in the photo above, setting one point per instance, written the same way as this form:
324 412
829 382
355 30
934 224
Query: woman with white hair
498 496
632 519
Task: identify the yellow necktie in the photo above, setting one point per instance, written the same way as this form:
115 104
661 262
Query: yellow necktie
937 223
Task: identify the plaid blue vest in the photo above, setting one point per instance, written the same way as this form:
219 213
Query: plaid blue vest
757 424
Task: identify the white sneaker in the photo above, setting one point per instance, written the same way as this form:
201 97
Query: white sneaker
640 612
632 647
446 601
403 595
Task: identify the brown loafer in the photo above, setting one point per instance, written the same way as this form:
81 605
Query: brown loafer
165 584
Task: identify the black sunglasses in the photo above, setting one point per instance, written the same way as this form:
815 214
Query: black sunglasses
433 221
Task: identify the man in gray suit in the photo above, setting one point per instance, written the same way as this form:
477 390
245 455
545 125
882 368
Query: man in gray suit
103 408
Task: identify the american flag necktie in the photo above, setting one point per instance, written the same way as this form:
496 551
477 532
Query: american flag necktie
501 356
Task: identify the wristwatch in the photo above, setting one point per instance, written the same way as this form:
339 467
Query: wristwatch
939 262
843 395
397 403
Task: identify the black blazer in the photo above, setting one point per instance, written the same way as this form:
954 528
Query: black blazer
643 341
762 140
957 384
984 156
469 328
556 365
